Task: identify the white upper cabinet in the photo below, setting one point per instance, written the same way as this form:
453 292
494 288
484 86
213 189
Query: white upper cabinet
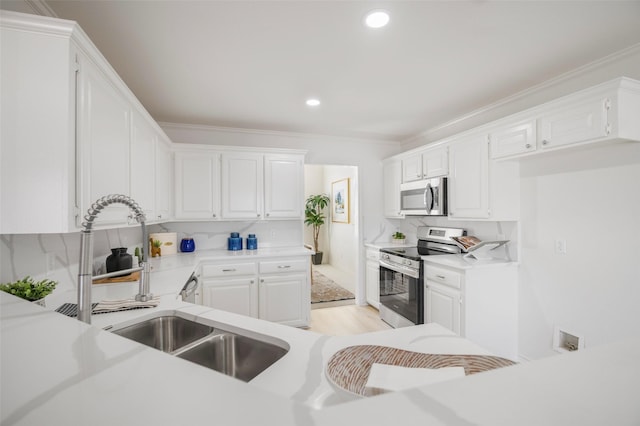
164 180
143 166
431 162
480 188
226 184
517 138
607 112
93 138
392 178
584 121
435 162
105 132
38 131
242 182
469 178
412 168
197 185
283 190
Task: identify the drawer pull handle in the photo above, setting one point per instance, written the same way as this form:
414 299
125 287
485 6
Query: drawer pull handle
284 266
442 277
228 270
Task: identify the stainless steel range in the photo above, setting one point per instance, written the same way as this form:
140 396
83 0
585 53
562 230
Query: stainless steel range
402 275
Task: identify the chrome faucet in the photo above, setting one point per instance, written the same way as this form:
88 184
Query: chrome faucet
85 273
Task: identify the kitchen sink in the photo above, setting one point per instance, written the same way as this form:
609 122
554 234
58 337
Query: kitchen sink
166 333
232 353
235 355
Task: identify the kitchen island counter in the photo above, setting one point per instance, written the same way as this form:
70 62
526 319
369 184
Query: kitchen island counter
58 370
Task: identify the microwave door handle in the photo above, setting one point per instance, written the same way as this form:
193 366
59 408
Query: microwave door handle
428 204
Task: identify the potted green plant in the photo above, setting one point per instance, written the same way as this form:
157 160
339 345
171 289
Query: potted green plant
314 217
398 237
28 289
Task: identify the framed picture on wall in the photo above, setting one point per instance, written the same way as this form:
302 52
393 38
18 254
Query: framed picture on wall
340 201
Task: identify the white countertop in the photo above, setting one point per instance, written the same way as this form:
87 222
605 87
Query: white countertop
58 370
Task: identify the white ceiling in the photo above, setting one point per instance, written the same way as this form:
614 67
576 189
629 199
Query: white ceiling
252 64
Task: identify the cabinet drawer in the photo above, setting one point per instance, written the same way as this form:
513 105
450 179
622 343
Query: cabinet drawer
228 270
373 254
444 276
284 266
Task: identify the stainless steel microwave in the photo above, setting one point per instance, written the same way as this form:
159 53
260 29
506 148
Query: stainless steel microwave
426 197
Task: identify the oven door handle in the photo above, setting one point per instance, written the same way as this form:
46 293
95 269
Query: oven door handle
399 268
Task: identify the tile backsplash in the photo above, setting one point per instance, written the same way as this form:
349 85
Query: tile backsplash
56 256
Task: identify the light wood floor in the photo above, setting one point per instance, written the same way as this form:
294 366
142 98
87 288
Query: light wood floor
346 320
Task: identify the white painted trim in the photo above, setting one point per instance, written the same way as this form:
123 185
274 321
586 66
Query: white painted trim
207 128
530 91
197 147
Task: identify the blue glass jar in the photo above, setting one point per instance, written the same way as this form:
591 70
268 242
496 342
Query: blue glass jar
252 242
187 245
234 242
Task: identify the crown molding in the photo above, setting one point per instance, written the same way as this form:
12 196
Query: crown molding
208 128
633 49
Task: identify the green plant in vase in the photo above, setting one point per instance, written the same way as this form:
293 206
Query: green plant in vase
314 217
29 289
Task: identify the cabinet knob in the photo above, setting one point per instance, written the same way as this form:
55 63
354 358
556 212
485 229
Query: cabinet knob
262 280
528 146
258 215
214 215
545 142
251 282
267 215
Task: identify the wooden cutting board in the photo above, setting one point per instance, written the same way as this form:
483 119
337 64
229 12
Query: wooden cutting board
131 277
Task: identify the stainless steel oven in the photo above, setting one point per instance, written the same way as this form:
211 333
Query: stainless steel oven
402 275
401 289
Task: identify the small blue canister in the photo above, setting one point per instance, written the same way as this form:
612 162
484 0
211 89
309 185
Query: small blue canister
252 242
187 245
234 242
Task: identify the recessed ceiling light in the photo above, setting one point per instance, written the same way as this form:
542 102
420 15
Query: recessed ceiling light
376 18
313 102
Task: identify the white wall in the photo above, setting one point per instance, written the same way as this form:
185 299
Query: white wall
590 199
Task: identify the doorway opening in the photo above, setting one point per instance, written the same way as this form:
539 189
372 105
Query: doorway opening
334 281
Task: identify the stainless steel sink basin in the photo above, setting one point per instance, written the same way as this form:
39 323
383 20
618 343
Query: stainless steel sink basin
166 333
232 353
235 355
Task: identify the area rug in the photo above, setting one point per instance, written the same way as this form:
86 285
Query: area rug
324 289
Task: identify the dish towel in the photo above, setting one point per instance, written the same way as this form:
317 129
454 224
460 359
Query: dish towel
395 378
124 305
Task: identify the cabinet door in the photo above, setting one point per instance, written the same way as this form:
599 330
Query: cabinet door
435 162
392 178
372 280
164 181
105 127
442 306
412 168
281 299
242 186
283 186
143 166
238 295
513 139
469 178
578 123
197 185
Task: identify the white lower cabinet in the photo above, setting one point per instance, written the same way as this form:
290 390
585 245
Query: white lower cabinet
372 278
238 295
275 290
479 303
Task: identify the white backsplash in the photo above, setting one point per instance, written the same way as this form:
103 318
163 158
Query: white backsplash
484 230
56 256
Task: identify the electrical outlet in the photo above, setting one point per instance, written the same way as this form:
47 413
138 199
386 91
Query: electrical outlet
561 246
